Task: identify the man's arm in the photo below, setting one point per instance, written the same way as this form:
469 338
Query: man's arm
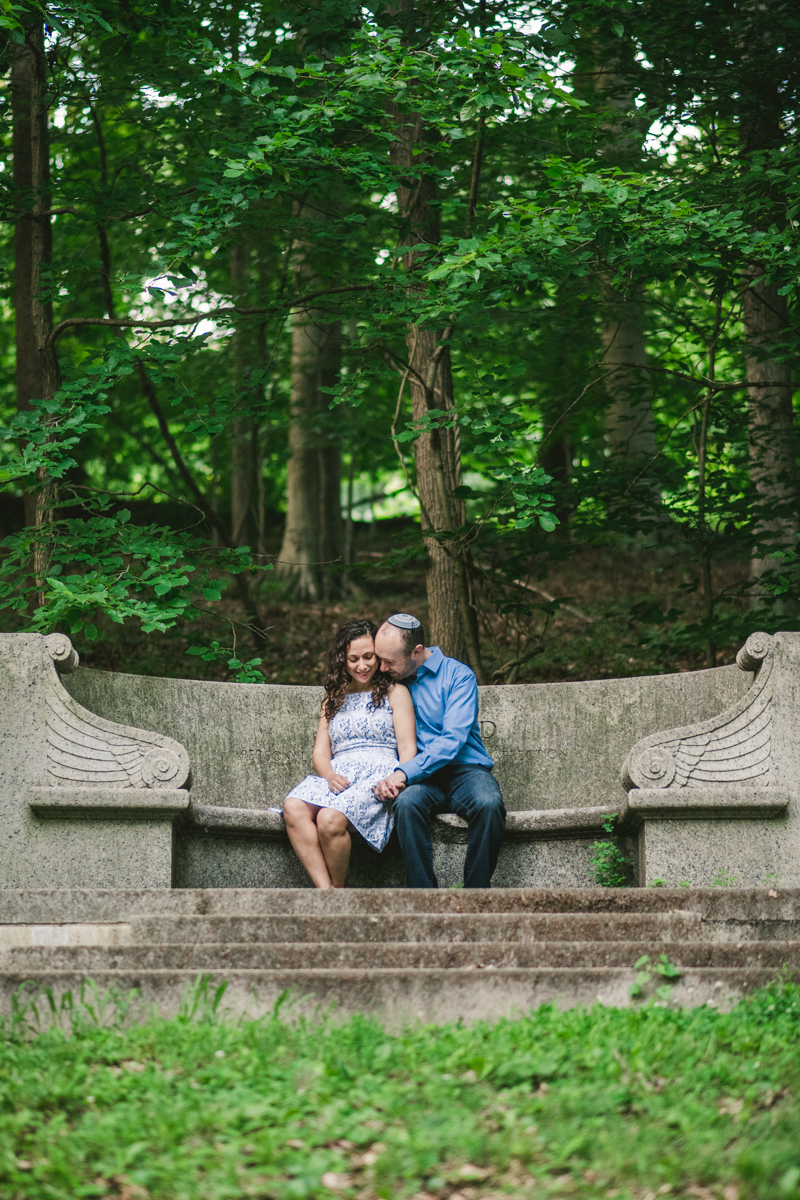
460 711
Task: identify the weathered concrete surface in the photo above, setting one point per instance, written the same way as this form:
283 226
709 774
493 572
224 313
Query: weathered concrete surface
743 853
235 847
402 955
556 745
56 756
205 860
719 799
717 906
396 997
116 803
96 955
418 927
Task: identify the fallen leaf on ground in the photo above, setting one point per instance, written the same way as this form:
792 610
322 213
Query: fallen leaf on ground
731 1106
336 1183
369 1157
470 1171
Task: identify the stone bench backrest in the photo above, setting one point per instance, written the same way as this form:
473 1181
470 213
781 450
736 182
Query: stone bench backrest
555 745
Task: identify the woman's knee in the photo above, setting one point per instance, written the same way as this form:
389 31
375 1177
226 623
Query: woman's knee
295 810
331 822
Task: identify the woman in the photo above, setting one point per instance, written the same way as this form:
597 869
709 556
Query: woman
366 729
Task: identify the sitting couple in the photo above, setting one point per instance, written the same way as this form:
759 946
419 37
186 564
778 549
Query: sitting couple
398 740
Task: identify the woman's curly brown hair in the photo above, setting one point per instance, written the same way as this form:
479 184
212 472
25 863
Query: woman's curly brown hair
338 679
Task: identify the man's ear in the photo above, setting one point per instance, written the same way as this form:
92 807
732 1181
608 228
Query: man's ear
417 650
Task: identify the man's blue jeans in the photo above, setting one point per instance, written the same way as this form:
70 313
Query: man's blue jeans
472 792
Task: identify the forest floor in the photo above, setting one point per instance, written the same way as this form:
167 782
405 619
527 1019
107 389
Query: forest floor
612 613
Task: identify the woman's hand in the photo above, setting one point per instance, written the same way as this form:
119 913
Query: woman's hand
338 783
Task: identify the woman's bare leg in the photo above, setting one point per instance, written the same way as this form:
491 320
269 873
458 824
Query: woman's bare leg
333 829
301 827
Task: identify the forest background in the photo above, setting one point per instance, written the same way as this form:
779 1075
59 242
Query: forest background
482 310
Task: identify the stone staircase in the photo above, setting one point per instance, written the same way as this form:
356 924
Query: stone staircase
404 955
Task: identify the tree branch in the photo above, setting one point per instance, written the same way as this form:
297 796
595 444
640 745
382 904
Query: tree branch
195 318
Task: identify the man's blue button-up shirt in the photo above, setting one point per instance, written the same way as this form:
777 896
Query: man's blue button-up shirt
445 695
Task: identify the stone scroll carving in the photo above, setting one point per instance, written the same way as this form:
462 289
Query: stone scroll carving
733 748
86 749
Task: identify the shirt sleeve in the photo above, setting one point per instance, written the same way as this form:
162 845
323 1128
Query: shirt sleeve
460 710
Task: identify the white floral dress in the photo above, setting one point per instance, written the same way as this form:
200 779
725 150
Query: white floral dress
364 750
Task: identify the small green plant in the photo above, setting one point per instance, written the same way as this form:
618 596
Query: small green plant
646 969
658 883
770 880
685 883
723 878
243 672
610 866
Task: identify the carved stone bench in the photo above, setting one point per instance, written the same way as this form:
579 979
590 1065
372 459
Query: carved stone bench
96 800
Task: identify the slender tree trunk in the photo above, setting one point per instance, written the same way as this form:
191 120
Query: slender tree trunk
243 442
313 537
772 450
452 618
37 376
629 419
773 468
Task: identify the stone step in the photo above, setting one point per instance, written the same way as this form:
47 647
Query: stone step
103 905
419 927
393 996
262 956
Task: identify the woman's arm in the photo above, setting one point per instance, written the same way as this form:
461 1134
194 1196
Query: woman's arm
405 725
321 758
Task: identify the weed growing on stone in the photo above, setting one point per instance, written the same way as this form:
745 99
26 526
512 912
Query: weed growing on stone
723 878
645 985
592 1103
609 864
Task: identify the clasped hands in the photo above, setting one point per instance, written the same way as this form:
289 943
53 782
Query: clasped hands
390 787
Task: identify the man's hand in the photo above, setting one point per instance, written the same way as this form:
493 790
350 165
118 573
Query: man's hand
391 787
338 783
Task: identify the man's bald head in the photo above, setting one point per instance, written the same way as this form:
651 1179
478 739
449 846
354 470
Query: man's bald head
400 651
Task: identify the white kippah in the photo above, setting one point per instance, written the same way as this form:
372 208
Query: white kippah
404 621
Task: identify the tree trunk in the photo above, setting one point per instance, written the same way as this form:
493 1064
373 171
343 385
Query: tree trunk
244 448
452 617
37 376
313 538
629 418
773 469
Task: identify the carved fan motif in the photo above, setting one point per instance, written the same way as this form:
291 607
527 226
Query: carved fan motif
729 749
84 748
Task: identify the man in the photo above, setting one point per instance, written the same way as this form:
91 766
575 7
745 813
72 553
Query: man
451 771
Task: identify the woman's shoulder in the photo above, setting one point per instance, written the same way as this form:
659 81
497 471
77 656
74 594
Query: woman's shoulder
398 691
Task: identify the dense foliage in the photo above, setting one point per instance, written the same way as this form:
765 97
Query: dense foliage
590 207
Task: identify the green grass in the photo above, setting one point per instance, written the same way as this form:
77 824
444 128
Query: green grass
590 1103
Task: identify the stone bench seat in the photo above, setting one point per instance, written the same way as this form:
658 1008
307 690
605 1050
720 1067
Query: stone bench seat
528 825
